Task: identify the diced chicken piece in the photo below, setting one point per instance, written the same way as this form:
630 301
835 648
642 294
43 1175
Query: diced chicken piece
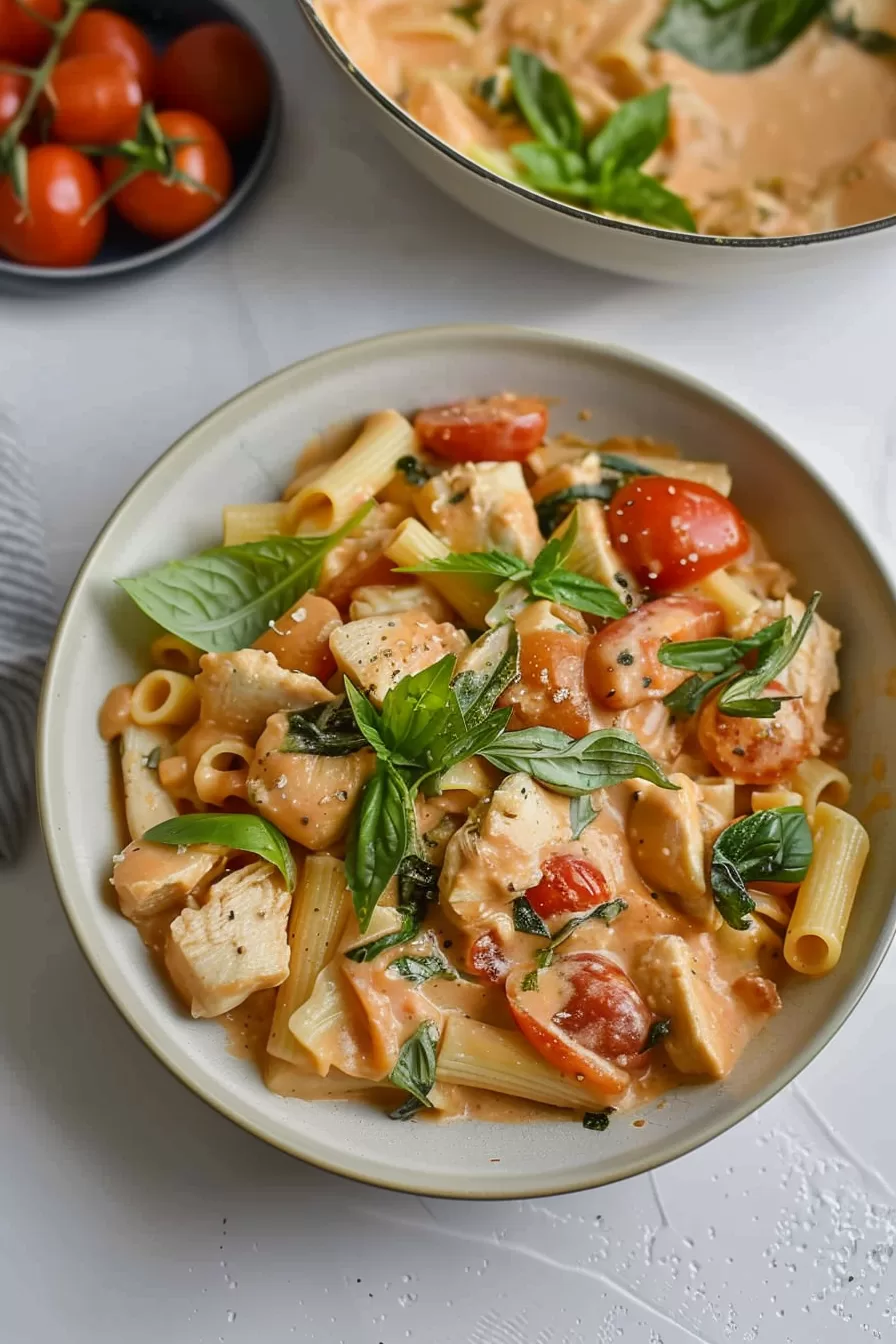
385 599
233 945
309 797
675 984
667 842
149 878
482 506
377 652
812 674
146 803
240 691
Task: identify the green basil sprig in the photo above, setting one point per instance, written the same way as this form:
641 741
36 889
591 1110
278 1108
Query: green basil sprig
576 765
378 838
418 886
545 578
733 35
233 830
605 173
774 845
323 730
606 912
223 599
658 1032
873 40
433 966
415 1070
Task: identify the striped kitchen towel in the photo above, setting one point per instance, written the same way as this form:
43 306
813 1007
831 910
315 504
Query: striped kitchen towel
27 620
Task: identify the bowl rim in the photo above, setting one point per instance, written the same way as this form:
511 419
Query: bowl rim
158 252
343 60
67 888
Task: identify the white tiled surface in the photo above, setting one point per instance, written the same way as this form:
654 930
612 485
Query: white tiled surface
129 1212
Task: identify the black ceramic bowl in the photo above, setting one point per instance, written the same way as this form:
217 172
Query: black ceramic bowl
124 250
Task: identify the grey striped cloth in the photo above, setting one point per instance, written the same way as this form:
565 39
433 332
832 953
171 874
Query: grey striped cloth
27 620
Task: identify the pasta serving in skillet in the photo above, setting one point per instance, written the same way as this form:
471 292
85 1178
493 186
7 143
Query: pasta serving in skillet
493 770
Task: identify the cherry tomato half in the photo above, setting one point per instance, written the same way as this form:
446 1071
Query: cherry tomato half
487 429
217 71
12 93
569 885
23 39
94 99
99 31
58 228
673 532
167 208
756 751
621 665
584 1013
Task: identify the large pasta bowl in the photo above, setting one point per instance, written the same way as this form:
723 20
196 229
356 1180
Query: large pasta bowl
244 452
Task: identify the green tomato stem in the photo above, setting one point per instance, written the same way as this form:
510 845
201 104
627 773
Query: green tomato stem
41 75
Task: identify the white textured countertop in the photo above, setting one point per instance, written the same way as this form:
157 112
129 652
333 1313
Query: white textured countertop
131 1213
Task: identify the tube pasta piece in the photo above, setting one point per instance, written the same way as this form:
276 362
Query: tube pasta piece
477 1055
320 452
592 553
216 778
763 799
300 638
253 522
367 466
817 781
319 914
146 803
384 599
175 654
814 938
164 697
413 544
776 909
482 506
329 1026
737 602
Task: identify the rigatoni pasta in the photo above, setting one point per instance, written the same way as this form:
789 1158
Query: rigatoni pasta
814 938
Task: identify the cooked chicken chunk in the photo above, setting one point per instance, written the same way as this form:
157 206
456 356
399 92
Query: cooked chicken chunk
240 691
149 878
674 981
813 672
666 836
385 599
378 651
482 506
233 945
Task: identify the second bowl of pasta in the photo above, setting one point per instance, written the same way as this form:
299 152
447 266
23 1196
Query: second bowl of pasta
509 755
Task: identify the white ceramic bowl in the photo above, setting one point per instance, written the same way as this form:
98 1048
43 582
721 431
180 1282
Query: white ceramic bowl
580 235
245 451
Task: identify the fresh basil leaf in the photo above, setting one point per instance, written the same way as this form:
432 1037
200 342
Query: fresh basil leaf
496 659
743 698
417 708
323 730
492 564
529 981
413 470
527 920
687 698
378 839
551 510
553 170
552 556
469 13
658 1032
545 101
407 930
774 845
223 599
418 970
636 195
418 884
576 765
577 590
606 913
873 40
599 1120
415 1068
368 719
234 830
497 91
474 742
734 37
581 813
721 654
632 134
152 759
624 466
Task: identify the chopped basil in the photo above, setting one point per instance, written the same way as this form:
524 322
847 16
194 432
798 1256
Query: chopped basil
873 40
151 760
658 1032
415 1068
581 813
323 730
414 470
418 885
607 912
743 697
420 969
599 1120
774 845
733 35
527 920
551 510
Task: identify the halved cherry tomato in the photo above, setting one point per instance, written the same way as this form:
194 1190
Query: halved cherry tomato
163 206
12 94
621 665
585 1014
672 532
484 429
217 71
58 228
94 99
24 40
486 957
756 751
568 885
551 689
101 31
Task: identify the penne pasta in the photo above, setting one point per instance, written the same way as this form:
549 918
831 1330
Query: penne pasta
356 476
814 938
175 654
218 779
592 553
253 522
413 544
816 781
761 799
737 602
146 803
164 697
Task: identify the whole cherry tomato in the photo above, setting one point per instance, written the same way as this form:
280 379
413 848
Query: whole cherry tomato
584 1014
569 885
99 31
673 532
61 226
484 429
621 665
24 40
756 751
551 689
159 201
217 71
94 99
12 93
